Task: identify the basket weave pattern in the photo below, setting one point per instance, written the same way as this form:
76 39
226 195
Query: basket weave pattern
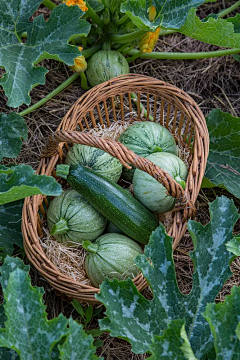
106 104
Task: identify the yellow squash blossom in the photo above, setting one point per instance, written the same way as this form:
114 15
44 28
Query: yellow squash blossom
80 3
152 13
148 41
80 64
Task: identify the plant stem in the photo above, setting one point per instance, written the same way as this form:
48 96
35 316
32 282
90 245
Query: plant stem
49 4
229 10
87 53
185 56
135 56
122 20
56 91
167 32
91 13
84 84
122 39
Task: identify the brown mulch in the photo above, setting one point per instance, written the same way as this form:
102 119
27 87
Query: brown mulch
213 83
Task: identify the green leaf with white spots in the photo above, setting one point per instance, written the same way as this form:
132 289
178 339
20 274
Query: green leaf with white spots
13 130
134 318
10 226
6 354
10 264
170 14
173 344
45 40
78 345
27 330
223 319
18 182
223 165
234 246
221 32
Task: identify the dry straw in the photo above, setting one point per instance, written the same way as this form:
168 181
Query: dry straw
106 104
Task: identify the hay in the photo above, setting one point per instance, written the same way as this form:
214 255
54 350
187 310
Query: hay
70 260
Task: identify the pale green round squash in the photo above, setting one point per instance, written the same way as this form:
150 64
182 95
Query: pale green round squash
111 256
149 191
71 219
145 138
96 159
105 65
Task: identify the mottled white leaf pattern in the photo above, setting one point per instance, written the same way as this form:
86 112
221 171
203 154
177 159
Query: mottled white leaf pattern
223 166
136 319
13 130
224 319
44 40
173 344
10 226
170 14
18 182
234 246
78 345
35 335
9 265
221 32
6 354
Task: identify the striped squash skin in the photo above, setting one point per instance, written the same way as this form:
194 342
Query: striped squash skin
149 191
96 159
145 138
83 220
115 203
104 65
114 259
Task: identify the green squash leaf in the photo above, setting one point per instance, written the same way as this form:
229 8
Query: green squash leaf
223 166
233 246
173 344
6 354
45 40
18 182
223 319
13 130
78 345
10 226
170 14
35 335
96 5
10 264
218 31
134 318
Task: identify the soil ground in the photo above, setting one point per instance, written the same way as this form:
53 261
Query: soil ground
213 83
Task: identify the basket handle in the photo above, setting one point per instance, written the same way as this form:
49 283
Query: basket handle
126 157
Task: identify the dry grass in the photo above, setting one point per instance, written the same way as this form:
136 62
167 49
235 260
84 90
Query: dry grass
213 83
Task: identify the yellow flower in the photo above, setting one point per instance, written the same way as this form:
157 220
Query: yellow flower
148 41
80 64
80 3
152 13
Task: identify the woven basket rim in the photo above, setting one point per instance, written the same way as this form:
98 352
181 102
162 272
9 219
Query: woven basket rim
80 108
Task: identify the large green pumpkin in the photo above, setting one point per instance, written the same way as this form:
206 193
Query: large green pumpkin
145 138
104 65
71 219
111 256
95 159
149 191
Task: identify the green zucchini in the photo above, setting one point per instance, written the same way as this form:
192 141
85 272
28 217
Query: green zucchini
113 202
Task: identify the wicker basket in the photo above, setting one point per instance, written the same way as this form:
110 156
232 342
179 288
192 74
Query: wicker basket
105 104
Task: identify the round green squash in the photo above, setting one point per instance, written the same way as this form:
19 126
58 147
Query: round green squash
145 138
111 256
105 65
71 219
149 191
95 159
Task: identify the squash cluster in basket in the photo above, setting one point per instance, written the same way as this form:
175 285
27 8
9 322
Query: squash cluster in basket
97 203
